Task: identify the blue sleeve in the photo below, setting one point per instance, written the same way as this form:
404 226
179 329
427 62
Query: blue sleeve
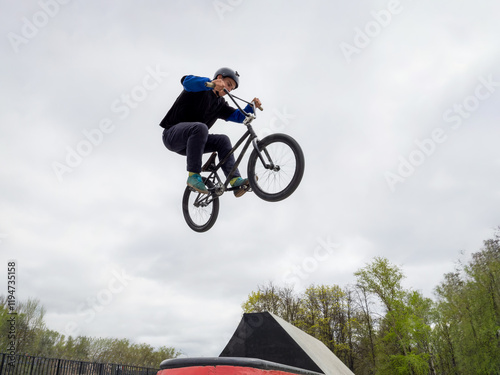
237 116
194 83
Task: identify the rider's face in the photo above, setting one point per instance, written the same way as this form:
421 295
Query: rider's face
230 84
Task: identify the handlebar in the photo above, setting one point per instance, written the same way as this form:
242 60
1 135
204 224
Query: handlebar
212 85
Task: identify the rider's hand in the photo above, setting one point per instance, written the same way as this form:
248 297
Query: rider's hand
257 102
220 85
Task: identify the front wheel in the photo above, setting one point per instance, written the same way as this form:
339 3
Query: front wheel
279 172
200 210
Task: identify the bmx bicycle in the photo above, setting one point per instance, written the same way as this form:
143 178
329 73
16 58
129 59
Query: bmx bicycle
275 169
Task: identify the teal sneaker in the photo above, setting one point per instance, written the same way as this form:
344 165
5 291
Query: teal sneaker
241 183
197 184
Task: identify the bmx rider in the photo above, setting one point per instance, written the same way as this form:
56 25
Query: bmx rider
193 113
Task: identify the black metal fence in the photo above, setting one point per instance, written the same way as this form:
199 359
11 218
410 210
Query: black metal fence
29 365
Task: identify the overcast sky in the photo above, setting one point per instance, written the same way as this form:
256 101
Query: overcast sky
395 104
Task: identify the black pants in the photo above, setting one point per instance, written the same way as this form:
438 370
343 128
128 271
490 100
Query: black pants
192 140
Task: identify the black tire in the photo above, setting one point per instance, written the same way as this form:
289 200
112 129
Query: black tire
202 216
276 184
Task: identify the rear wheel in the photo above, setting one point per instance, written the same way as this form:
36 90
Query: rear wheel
200 210
279 173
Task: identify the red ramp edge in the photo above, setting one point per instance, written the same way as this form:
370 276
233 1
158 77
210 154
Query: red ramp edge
220 370
228 366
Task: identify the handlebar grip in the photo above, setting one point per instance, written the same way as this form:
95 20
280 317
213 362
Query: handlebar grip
259 107
212 85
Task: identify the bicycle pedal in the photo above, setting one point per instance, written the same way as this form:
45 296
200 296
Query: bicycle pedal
193 190
247 188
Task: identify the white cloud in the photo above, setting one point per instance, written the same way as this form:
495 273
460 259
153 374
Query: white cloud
121 206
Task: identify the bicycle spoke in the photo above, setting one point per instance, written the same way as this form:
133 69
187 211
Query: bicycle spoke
200 210
278 173
283 160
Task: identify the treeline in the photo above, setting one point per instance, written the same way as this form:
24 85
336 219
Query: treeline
33 338
378 327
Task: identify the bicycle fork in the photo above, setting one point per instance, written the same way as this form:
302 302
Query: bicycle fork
271 166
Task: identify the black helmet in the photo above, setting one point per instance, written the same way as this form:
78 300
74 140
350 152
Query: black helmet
226 72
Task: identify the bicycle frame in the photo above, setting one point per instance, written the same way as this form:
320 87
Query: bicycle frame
250 137
271 179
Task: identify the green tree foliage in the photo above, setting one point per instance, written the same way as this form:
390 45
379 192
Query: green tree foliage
34 338
364 332
322 311
28 324
325 315
467 332
276 300
404 332
380 327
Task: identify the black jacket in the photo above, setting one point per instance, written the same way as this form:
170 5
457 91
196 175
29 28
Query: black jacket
197 106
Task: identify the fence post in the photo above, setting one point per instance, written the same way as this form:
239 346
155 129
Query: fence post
46 365
32 365
20 363
1 364
58 363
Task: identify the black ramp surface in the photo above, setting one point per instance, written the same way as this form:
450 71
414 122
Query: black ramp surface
268 337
